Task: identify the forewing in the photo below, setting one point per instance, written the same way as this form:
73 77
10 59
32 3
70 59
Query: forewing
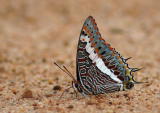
93 54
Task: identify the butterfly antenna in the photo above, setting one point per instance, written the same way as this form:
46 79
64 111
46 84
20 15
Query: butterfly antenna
67 70
69 73
64 70
135 82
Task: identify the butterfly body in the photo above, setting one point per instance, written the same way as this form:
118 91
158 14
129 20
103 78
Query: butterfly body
100 68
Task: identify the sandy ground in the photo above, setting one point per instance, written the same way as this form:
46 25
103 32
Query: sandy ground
35 33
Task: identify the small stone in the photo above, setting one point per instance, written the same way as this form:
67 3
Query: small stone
57 87
50 81
70 107
44 60
14 91
27 94
126 95
35 106
110 103
49 95
91 102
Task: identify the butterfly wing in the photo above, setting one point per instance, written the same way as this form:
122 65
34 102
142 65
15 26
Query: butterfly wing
100 69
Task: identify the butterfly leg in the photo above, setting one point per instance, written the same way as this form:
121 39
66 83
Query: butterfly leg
64 92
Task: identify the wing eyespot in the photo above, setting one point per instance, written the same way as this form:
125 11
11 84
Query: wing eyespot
99 47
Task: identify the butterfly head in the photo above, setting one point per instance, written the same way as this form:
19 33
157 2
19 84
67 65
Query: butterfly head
128 85
77 86
129 81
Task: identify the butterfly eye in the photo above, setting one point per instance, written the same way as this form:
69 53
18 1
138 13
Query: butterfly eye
129 85
76 85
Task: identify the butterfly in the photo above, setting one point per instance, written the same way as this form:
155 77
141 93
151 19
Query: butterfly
100 69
